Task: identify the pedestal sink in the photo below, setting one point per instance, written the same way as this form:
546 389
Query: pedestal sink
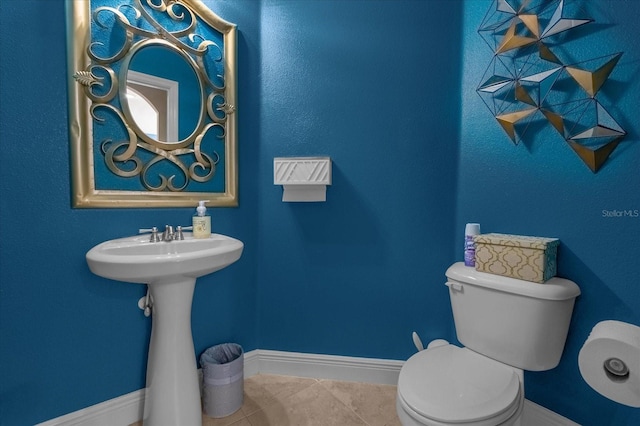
172 393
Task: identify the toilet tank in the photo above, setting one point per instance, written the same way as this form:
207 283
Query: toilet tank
519 323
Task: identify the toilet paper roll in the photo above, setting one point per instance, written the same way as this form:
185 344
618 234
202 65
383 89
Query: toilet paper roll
609 361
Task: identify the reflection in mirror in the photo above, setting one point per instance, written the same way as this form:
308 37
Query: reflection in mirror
145 111
153 104
174 70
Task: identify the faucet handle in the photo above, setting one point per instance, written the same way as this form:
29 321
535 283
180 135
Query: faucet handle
178 235
154 234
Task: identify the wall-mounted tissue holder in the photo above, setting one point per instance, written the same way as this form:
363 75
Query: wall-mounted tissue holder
302 178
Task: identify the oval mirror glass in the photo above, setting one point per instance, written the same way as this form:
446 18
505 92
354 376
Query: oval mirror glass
172 90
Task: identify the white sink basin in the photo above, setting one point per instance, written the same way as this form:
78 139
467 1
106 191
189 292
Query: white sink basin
172 393
136 260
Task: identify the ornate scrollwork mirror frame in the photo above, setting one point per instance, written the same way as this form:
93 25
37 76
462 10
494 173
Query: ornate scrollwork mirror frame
217 110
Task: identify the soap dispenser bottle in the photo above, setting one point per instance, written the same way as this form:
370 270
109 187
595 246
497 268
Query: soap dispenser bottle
201 222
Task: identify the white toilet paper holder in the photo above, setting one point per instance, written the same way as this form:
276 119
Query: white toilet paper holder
616 369
609 361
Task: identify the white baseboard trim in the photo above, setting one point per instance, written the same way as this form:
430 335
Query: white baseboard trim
333 367
123 410
128 409
537 415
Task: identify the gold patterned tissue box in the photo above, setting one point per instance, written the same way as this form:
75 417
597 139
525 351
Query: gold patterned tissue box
517 256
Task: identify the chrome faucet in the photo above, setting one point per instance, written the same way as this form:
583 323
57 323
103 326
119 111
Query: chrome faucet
168 235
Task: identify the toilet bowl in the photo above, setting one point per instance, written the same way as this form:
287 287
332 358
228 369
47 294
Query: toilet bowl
449 385
506 326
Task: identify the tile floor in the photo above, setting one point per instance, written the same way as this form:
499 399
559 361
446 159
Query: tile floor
271 400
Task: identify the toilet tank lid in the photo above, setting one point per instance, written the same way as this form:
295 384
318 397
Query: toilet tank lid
553 289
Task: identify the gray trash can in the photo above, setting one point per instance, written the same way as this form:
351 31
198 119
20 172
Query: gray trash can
223 379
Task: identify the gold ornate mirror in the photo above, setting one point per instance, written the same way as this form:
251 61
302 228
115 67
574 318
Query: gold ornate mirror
152 100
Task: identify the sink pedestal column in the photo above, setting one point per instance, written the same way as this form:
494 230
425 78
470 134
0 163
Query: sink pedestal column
172 394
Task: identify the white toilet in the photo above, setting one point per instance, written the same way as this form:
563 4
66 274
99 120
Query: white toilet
507 326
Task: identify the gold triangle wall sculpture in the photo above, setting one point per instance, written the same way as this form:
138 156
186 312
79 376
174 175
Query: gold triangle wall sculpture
555 120
513 41
523 96
508 121
531 22
547 54
592 81
526 76
594 158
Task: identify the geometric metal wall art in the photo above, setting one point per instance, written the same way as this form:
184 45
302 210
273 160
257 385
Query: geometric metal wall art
529 83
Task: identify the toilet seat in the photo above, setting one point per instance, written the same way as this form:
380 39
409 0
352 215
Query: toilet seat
453 385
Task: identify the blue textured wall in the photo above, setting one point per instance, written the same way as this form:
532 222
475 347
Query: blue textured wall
374 85
542 188
69 339
387 89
